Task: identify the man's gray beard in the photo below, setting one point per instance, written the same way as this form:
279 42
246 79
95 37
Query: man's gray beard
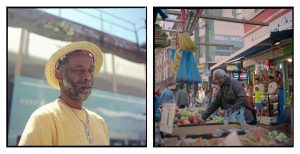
72 90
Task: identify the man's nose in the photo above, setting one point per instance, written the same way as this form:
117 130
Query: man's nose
87 76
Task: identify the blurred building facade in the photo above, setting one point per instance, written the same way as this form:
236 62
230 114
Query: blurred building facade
163 66
227 36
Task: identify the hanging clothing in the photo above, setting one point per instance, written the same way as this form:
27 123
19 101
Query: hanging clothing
188 70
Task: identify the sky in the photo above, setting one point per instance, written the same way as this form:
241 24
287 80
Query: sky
136 16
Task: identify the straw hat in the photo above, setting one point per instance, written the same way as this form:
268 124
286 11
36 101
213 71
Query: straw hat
81 45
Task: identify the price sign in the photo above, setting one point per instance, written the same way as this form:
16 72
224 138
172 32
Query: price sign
167 118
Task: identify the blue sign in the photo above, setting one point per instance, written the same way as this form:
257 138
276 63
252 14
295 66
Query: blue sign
124 114
207 73
241 76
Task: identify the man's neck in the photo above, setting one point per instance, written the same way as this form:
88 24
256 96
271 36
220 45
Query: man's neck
71 102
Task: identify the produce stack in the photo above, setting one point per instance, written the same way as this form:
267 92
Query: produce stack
255 136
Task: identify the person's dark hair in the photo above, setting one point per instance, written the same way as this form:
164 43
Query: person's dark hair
207 92
256 89
271 77
61 63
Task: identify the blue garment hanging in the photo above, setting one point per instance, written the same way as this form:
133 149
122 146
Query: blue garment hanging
172 54
188 71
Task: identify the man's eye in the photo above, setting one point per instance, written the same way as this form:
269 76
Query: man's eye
77 70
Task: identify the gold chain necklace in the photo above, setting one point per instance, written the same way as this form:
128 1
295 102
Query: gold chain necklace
87 131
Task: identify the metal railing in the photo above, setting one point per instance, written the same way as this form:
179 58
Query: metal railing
131 28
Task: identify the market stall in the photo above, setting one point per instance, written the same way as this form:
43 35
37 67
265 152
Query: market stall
232 135
183 129
180 126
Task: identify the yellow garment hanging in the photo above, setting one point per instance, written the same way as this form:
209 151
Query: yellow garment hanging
186 43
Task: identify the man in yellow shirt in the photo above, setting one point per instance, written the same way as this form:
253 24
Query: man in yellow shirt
65 121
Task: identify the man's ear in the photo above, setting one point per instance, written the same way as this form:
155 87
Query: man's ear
59 75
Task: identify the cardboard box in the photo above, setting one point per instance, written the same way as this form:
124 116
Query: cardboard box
268 120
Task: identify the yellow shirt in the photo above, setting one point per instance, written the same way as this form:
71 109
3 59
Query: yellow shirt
258 96
55 124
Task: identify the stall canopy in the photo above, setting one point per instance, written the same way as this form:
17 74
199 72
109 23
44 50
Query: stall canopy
259 46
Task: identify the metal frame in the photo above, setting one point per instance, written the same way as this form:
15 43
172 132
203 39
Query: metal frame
226 19
211 44
195 18
242 21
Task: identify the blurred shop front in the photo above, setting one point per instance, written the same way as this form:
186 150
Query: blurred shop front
268 52
276 63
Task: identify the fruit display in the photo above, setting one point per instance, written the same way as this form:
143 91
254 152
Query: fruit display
262 137
184 116
279 137
216 119
198 109
199 142
255 136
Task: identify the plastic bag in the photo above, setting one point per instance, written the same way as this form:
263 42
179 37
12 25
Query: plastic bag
235 116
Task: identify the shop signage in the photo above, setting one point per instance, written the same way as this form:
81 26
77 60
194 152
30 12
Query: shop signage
207 73
231 67
167 118
201 68
204 78
265 56
241 76
282 23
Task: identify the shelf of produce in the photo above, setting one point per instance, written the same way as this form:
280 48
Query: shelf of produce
204 129
255 136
